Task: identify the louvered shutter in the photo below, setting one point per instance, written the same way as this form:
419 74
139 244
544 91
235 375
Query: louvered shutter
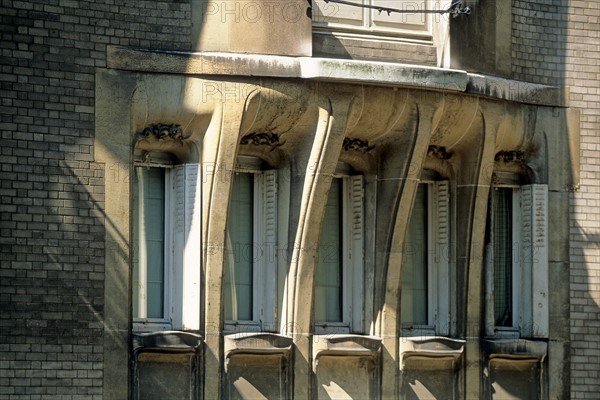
356 245
268 248
534 261
186 211
440 250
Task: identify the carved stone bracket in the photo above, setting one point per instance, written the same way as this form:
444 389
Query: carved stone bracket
164 131
439 152
572 188
262 139
509 156
357 145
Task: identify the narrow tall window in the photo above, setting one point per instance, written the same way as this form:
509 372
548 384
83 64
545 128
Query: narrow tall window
339 272
517 260
329 273
425 287
414 309
240 250
250 276
503 256
166 257
149 243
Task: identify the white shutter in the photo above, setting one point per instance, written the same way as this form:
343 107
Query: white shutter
534 260
178 223
186 211
356 253
439 236
269 248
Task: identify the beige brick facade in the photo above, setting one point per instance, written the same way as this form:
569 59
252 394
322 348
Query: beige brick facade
558 43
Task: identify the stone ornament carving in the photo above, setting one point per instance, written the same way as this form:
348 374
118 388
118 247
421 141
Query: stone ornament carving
164 131
262 139
439 152
510 156
357 145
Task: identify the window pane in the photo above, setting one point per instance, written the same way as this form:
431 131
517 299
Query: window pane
328 276
239 250
413 306
148 251
502 237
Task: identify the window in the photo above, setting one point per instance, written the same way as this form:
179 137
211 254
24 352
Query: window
250 276
424 303
342 17
339 270
166 247
516 264
506 271
150 256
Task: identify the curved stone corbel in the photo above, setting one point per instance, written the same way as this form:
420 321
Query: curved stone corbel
404 178
475 165
219 152
455 119
274 109
381 110
320 157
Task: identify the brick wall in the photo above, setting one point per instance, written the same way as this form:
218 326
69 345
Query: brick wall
51 221
558 42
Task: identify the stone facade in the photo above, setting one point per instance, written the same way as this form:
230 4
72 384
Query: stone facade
77 95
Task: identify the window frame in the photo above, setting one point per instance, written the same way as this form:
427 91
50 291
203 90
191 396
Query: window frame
529 249
438 261
182 249
264 269
142 324
353 272
511 331
369 28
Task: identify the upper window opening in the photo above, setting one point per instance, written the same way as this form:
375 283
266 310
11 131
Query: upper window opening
425 287
149 255
347 18
166 247
250 276
517 260
339 272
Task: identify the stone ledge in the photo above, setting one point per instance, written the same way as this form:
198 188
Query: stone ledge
319 69
336 70
517 91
